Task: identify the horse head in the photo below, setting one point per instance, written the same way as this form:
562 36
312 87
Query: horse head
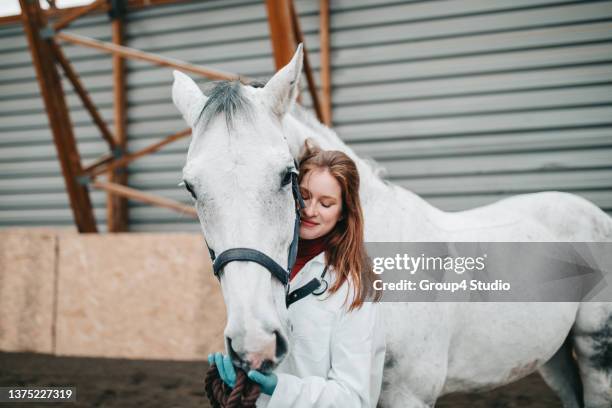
242 177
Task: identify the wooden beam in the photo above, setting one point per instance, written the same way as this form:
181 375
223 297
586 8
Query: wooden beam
76 13
117 217
73 77
312 86
152 199
133 53
100 161
282 34
326 106
128 158
61 12
138 4
57 112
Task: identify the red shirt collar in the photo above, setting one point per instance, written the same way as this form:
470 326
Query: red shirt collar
308 249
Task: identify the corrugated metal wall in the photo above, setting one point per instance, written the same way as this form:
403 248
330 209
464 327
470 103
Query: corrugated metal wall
32 188
463 101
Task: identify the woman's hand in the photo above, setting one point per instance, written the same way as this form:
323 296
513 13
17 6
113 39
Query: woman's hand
267 382
224 367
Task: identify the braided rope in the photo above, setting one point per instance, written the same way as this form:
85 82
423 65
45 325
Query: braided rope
243 395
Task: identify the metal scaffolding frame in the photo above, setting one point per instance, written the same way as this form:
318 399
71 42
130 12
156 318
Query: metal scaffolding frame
47 55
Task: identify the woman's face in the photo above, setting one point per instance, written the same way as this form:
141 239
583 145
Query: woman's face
323 198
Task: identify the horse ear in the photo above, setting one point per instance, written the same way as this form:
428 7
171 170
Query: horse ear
187 97
282 88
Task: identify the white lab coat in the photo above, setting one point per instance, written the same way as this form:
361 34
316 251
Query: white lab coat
335 357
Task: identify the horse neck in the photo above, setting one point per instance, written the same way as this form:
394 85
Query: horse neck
415 211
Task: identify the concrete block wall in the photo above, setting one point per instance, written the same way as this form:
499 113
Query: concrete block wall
146 296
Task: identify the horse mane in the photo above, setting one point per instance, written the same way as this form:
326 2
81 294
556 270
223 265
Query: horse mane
227 98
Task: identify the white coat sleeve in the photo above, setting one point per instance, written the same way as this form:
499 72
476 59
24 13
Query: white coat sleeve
349 382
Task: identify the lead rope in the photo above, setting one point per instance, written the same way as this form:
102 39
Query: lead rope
243 395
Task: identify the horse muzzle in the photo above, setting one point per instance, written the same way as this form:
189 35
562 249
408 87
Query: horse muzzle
264 359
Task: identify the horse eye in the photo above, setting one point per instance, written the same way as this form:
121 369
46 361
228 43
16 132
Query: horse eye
189 188
286 178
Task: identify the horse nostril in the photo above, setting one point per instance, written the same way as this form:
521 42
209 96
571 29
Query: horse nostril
281 345
232 354
266 365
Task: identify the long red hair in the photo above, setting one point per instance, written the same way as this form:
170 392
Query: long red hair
345 246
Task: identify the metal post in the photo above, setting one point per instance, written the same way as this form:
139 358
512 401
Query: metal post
282 33
57 112
116 205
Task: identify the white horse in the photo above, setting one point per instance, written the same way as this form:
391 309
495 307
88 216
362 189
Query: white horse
243 145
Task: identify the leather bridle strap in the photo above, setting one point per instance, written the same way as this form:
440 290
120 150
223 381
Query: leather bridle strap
299 204
247 254
307 289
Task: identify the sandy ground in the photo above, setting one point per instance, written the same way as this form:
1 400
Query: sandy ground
171 384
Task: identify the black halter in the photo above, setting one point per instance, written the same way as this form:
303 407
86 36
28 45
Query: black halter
253 255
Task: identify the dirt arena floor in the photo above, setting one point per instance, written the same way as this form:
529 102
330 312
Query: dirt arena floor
168 384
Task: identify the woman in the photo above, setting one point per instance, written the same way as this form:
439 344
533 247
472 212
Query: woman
337 339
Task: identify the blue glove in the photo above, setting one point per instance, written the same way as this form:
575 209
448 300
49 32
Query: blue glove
224 367
267 382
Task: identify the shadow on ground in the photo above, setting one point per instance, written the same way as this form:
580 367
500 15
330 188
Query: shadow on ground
115 383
